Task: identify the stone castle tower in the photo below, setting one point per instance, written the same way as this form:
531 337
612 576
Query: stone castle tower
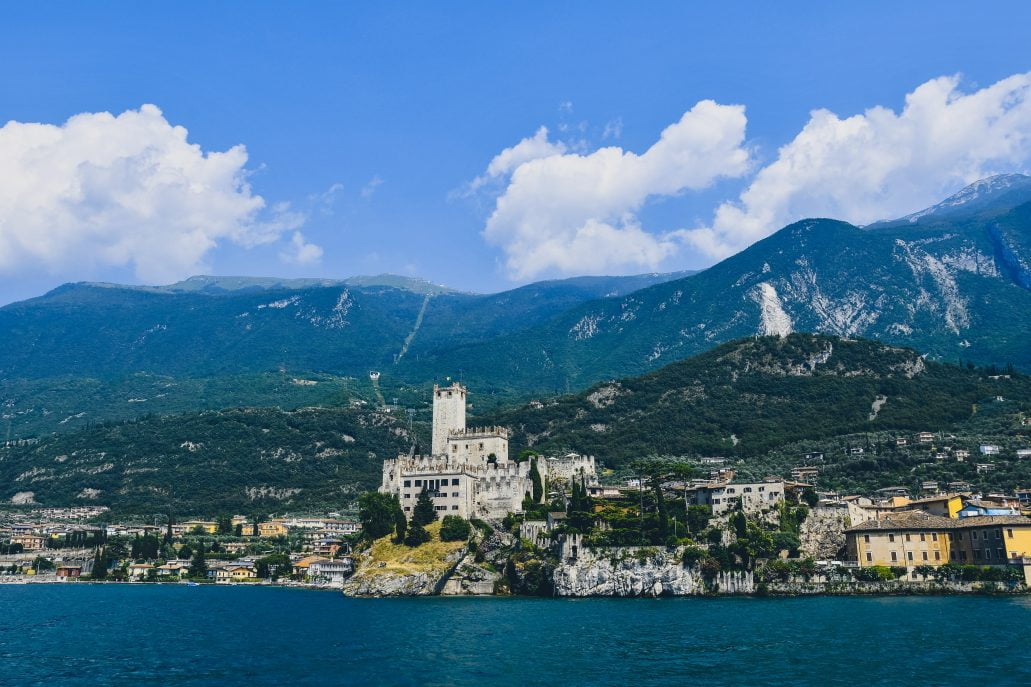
448 415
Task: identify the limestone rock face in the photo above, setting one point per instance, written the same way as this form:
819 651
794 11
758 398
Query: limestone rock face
387 584
822 535
640 572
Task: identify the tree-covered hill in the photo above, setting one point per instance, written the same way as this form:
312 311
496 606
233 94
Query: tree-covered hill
751 396
240 461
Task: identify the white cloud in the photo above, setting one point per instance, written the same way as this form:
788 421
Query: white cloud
574 213
370 187
301 252
506 162
881 164
128 190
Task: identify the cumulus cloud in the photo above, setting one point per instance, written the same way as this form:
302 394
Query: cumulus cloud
129 190
572 213
880 164
301 252
505 162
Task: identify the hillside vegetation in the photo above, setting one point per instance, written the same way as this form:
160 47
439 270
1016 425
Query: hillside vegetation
239 461
760 402
748 397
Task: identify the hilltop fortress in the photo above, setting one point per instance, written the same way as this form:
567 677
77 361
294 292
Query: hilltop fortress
468 471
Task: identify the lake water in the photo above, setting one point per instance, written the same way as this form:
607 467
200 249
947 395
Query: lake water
79 634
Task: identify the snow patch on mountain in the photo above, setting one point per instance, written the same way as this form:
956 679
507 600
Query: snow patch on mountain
773 319
973 193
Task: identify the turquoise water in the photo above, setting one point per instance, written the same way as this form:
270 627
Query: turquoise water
78 634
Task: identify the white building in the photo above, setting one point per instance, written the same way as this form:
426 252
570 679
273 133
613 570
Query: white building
468 472
753 497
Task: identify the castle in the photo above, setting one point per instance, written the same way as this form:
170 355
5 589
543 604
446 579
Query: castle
468 471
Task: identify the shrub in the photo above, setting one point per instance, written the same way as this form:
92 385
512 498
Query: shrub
693 554
455 528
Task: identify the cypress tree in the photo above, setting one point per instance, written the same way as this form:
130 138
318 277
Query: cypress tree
535 480
400 525
424 512
199 566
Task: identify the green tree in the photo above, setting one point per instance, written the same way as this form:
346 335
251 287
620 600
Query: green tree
199 565
377 513
424 512
100 564
225 524
455 528
810 497
400 525
535 479
185 551
698 518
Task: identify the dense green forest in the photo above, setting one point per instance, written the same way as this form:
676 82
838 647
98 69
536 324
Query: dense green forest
752 396
241 461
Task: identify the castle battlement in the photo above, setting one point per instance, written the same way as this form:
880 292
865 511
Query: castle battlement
479 433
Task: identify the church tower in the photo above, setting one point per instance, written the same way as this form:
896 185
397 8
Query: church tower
448 414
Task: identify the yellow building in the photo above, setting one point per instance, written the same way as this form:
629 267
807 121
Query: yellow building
235 573
191 526
915 538
944 505
272 528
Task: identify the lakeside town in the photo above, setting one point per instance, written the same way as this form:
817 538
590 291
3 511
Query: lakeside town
465 518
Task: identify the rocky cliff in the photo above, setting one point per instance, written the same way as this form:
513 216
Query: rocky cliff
635 572
822 535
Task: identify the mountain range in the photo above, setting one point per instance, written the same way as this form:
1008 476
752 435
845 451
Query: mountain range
952 282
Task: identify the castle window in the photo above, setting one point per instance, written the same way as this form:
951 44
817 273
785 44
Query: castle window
924 554
454 507
440 508
922 537
454 482
869 557
891 537
418 482
1009 533
408 482
934 536
866 538
909 555
408 508
454 494
937 555
908 538
894 556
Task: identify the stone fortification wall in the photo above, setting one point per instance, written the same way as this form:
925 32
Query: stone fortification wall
569 468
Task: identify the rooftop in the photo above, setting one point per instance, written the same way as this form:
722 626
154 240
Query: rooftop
917 520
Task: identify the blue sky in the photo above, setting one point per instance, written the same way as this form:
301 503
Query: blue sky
372 121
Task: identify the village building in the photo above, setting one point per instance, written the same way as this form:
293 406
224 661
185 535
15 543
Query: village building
752 497
468 472
916 538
